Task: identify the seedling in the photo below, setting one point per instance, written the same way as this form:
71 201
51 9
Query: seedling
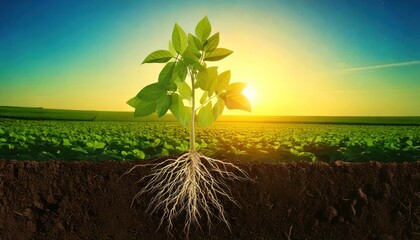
193 183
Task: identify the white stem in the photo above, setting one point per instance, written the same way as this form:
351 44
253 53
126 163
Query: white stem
192 130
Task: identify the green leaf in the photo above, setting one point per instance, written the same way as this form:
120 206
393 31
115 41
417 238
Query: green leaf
156 142
1 131
211 44
294 152
124 153
195 44
180 72
203 144
159 56
186 116
181 112
222 81
151 92
144 108
192 46
163 104
168 146
205 79
217 54
165 76
138 154
236 87
164 152
218 108
201 79
172 49
133 102
66 142
98 145
203 29
204 97
237 101
179 39
190 58
182 148
205 115
79 149
408 142
184 90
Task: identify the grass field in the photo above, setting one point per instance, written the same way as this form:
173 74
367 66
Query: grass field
35 134
79 115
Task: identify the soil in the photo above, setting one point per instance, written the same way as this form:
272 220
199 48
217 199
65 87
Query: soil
85 200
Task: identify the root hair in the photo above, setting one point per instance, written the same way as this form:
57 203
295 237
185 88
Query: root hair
191 184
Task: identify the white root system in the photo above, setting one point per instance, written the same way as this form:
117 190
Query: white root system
192 185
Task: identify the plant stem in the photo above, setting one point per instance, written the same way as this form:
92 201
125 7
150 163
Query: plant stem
192 130
208 100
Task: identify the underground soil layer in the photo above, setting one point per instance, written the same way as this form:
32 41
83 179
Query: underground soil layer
86 200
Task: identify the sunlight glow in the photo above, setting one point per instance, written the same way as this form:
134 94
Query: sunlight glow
250 93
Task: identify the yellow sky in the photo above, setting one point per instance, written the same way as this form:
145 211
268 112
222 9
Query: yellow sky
295 62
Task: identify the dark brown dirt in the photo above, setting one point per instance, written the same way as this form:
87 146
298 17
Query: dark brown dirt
83 200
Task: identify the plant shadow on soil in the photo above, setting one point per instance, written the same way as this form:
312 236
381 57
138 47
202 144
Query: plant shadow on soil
84 200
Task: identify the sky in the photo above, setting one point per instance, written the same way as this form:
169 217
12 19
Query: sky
301 57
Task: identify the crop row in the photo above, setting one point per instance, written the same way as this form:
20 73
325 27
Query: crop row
92 141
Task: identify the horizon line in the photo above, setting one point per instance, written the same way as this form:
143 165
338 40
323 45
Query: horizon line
241 115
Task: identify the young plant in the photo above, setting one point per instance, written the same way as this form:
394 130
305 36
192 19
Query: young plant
192 183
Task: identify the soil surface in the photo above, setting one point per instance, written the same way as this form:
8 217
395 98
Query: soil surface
85 200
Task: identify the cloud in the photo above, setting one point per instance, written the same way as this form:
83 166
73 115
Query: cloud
389 65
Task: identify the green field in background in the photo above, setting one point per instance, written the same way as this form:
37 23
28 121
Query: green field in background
81 115
285 142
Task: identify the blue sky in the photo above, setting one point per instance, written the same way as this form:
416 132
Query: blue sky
331 57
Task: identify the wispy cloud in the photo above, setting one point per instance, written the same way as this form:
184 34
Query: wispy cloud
389 65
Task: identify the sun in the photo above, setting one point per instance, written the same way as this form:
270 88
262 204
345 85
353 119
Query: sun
250 93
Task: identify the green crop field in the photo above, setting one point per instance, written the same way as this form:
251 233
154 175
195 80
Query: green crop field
246 141
39 113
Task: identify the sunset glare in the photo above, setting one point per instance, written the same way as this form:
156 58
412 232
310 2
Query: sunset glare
250 93
318 58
